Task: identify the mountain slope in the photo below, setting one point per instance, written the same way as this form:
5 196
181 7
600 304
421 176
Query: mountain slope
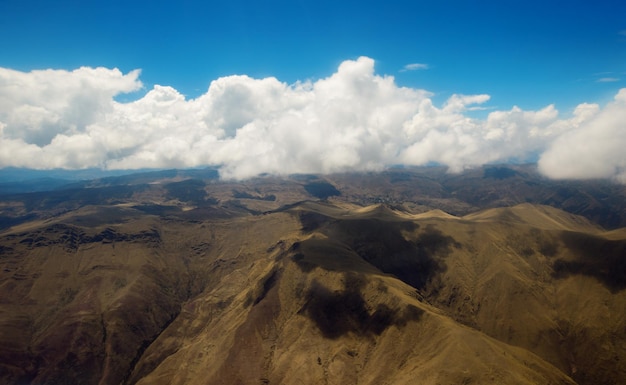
314 292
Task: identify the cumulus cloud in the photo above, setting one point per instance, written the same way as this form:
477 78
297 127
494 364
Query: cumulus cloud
353 120
592 148
39 105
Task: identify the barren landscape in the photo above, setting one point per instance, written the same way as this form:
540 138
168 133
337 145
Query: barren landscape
408 276
312 192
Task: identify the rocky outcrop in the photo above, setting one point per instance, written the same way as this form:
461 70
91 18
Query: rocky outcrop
71 237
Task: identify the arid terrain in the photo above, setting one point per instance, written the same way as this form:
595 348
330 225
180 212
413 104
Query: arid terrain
408 276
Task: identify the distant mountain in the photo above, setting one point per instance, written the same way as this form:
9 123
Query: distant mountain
13 174
18 180
413 190
32 185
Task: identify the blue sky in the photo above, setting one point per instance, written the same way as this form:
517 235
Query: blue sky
474 83
526 53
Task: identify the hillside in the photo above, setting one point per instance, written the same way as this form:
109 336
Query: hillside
179 282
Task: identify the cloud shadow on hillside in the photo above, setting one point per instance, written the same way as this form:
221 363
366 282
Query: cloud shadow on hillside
338 313
602 259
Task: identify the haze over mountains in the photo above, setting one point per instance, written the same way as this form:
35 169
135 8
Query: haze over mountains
412 275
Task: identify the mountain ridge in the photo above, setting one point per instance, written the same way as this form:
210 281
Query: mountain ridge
413 190
316 292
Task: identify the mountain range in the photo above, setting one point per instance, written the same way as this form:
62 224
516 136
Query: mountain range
406 276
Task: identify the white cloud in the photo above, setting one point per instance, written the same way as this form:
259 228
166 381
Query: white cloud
414 67
608 80
592 148
38 105
353 120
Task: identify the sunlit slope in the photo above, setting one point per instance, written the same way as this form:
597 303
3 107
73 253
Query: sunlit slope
319 313
438 255
542 279
330 327
315 292
536 216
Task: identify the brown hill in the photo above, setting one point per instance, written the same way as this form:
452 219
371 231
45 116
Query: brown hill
316 292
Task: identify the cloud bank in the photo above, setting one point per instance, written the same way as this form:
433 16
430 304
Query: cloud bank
353 120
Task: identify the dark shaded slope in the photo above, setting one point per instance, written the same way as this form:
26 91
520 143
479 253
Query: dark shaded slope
340 313
602 259
392 245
